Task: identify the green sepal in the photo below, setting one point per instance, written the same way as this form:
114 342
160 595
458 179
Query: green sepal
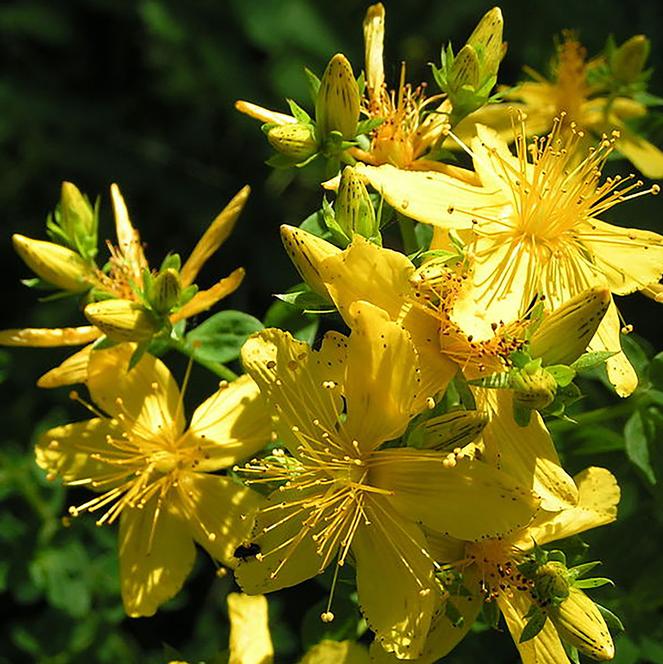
298 112
536 620
611 619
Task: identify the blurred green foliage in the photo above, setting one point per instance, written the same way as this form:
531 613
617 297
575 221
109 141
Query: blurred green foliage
141 92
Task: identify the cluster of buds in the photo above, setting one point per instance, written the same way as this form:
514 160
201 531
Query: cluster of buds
557 594
469 76
542 376
300 138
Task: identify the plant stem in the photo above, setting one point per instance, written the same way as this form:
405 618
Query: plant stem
406 226
221 370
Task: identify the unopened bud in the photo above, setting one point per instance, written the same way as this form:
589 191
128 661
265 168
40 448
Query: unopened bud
54 263
452 430
307 251
564 335
465 69
353 209
122 320
551 582
487 43
77 214
296 141
628 61
579 622
337 103
166 290
533 390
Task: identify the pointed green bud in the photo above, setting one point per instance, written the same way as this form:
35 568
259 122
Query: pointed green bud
307 251
166 290
54 263
353 209
338 100
551 583
628 61
564 335
533 389
487 43
296 141
78 216
451 430
580 624
122 320
465 69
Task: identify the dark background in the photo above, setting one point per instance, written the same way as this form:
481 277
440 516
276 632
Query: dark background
141 93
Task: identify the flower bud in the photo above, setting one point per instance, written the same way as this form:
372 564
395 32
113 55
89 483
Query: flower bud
353 209
465 69
296 141
78 216
307 251
486 40
452 430
564 335
551 582
579 622
122 320
533 390
166 290
628 61
54 263
337 103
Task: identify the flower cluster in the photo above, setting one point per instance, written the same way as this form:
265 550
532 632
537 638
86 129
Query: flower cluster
408 452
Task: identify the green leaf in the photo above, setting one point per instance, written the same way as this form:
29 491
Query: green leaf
302 326
610 618
636 435
307 301
596 582
491 613
562 374
221 337
536 622
365 126
344 625
580 570
591 360
656 371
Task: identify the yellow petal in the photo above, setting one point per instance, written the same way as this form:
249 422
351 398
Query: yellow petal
39 337
466 499
297 382
380 276
307 252
620 372
128 238
250 640
598 496
66 451
232 424
73 370
336 652
430 197
525 453
443 636
496 166
382 377
397 594
263 114
629 258
219 512
204 300
216 234
288 553
156 555
545 647
146 396
373 49
645 156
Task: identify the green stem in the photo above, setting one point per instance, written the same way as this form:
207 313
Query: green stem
595 416
406 226
221 370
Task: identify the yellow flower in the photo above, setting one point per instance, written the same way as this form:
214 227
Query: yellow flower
490 572
341 493
388 280
410 128
532 230
570 93
127 264
155 475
